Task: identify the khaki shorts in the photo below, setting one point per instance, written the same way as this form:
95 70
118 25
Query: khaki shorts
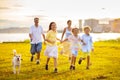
85 54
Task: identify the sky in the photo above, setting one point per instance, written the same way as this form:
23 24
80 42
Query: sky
20 13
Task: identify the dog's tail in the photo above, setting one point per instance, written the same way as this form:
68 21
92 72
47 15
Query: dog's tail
14 52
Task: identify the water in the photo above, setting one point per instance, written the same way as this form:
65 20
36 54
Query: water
11 37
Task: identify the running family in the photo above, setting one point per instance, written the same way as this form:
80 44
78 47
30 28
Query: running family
72 39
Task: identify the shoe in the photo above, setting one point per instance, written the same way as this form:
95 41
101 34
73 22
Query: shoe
55 71
46 67
31 58
80 61
87 68
37 62
71 67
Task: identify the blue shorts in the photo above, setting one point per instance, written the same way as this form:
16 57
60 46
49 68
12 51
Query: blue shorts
36 48
74 52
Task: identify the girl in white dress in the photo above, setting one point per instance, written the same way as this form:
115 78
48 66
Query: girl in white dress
51 49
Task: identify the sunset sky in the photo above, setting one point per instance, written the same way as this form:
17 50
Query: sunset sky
20 13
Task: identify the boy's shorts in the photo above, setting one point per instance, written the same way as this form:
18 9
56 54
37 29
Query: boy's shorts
85 54
74 52
36 48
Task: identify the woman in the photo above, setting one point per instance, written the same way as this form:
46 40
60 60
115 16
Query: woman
66 45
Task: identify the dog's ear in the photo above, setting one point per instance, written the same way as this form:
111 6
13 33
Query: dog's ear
14 52
20 54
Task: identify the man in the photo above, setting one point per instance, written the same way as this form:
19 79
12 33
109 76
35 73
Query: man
36 40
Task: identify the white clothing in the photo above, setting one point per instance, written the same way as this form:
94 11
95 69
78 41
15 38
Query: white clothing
67 33
51 51
87 39
75 42
36 33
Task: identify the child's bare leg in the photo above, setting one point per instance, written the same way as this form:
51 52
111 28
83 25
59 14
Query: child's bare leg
83 58
74 63
88 61
69 58
46 67
74 60
48 59
80 60
55 65
55 62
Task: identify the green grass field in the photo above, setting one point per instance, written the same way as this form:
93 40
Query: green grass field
105 64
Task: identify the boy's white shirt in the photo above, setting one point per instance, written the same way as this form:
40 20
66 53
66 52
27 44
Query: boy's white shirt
75 42
36 33
87 39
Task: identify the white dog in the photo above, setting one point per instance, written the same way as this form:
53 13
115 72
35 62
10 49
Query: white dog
16 62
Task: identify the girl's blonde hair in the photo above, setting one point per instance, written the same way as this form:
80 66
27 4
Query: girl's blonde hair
86 27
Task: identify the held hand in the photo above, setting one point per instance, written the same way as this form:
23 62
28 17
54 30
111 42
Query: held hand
58 39
52 42
61 42
44 42
30 40
79 40
84 43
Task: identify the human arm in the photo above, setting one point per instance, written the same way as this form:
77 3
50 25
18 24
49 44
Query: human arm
50 41
82 41
58 39
92 46
64 40
63 33
30 34
42 32
43 37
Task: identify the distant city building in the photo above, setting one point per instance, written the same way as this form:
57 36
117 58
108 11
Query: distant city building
116 25
101 25
104 27
98 29
92 23
80 25
105 24
104 21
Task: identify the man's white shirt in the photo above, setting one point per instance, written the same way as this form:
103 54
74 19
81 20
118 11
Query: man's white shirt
36 33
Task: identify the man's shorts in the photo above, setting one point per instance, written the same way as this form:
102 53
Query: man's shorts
36 48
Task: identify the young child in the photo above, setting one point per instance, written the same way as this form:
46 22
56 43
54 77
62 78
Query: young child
75 46
51 49
87 47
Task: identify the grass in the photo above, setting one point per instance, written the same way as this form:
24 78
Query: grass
105 64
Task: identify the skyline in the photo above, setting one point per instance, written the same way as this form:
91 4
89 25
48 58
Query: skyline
20 13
